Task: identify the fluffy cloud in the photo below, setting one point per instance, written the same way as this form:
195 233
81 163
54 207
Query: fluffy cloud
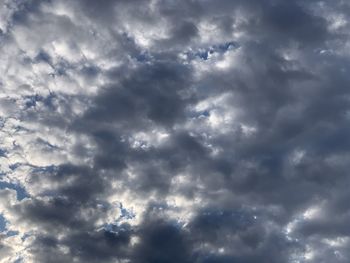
174 131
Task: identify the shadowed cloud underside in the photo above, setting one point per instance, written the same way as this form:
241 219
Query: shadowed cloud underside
158 131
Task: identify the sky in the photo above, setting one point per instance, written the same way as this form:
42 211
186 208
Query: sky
174 131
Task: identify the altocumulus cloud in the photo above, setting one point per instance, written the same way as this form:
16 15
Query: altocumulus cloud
168 131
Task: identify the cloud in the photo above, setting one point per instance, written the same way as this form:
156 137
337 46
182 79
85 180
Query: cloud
174 131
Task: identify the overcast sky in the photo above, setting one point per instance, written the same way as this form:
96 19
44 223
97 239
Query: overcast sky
174 131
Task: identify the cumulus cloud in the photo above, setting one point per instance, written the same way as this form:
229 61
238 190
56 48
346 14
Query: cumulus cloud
174 131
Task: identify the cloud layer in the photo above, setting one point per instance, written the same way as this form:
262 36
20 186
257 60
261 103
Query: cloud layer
151 131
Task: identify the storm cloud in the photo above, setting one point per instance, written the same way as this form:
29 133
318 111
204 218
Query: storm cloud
157 131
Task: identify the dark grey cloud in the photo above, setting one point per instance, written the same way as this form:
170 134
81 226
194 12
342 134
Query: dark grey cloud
174 131
151 93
